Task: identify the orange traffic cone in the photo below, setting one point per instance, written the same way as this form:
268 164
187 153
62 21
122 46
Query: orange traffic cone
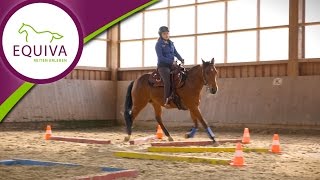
275 148
238 157
246 136
48 133
159 133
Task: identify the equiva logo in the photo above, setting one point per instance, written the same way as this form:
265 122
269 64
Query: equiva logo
31 34
41 41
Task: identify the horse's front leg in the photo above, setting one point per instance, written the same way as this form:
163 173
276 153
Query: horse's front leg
166 132
158 112
194 129
197 114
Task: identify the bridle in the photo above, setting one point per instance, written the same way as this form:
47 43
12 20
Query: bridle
205 81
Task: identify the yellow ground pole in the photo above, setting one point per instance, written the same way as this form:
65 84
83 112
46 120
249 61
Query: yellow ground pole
150 156
203 149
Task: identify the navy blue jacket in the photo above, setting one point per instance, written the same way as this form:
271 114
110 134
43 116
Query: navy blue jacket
166 53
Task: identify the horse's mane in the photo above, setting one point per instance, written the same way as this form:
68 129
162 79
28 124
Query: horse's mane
191 70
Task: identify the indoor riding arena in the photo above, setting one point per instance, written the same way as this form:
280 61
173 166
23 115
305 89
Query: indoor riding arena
245 101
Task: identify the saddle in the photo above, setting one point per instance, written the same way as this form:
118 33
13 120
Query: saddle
178 76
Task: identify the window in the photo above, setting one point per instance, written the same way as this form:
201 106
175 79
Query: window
131 28
242 14
230 31
274 12
312 41
95 52
211 46
160 4
274 44
211 17
181 2
242 46
154 20
131 54
182 21
150 56
102 36
312 31
131 51
185 47
312 10
200 1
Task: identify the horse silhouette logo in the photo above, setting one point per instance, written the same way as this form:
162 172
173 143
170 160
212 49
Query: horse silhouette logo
34 35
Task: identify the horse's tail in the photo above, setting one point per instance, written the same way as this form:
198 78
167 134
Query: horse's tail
127 108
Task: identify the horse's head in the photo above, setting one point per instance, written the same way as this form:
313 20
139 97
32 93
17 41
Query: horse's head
210 74
22 28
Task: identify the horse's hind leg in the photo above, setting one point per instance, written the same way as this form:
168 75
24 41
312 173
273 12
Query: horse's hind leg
136 108
204 123
194 129
158 112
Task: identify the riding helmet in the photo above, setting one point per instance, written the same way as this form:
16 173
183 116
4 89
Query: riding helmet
163 29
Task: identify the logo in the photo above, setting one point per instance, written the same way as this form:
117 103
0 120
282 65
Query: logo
41 42
33 36
29 29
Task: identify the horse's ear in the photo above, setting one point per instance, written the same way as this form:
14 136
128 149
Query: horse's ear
202 61
212 61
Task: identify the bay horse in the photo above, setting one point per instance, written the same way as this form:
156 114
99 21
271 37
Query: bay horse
140 93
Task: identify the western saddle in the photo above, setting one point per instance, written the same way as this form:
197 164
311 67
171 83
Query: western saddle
178 77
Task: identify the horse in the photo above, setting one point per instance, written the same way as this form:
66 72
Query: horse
140 93
33 35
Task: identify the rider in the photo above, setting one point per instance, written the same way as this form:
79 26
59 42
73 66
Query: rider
166 53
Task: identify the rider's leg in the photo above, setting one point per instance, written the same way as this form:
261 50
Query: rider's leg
165 75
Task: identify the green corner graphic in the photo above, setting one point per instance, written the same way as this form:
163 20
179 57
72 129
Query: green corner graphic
29 29
9 104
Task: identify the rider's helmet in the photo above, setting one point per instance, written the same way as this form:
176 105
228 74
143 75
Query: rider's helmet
163 29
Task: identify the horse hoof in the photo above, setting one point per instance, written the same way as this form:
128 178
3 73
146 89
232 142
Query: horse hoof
187 136
170 138
126 139
191 133
215 144
214 140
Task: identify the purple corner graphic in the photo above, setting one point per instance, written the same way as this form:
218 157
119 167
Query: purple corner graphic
91 15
